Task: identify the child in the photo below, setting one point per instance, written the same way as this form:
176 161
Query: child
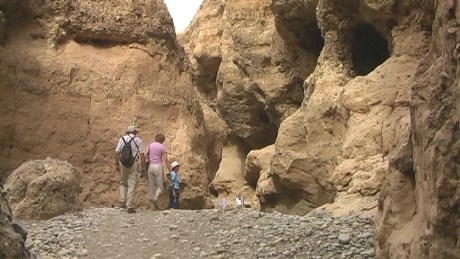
175 186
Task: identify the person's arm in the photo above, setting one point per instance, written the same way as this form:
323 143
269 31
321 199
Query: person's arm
166 160
142 163
117 153
117 159
141 149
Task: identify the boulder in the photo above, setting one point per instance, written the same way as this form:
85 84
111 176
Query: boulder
41 189
11 242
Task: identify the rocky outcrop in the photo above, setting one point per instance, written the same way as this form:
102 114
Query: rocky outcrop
418 213
42 189
11 243
356 106
328 84
246 69
253 81
78 72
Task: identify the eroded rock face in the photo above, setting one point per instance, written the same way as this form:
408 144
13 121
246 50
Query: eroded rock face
253 81
331 82
356 105
78 72
251 72
11 244
42 189
418 213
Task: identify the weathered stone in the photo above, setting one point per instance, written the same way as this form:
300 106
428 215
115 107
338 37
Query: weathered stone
112 65
422 207
344 238
11 241
43 188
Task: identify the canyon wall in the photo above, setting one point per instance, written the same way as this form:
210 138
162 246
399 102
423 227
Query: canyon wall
75 74
318 88
298 105
251 74
419 204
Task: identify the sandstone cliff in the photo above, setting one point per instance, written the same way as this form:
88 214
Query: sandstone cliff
327 84
251 74
298 104
418 213
76 73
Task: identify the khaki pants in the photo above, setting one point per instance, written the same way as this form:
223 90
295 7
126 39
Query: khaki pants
155 175
128 182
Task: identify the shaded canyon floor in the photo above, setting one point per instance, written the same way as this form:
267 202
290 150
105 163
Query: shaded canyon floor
241 233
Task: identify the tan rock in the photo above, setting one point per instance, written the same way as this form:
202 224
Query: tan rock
229 178
43 189
336 146
254 79
418 214
257 163
78 73
217 134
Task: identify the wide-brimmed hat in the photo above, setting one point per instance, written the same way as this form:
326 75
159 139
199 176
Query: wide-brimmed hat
174 164
132 129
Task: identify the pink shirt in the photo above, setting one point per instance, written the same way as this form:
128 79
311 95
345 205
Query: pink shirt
156 151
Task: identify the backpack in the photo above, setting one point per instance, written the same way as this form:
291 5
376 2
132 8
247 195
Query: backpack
126 155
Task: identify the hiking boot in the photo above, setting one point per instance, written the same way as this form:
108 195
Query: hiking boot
131 210
122 205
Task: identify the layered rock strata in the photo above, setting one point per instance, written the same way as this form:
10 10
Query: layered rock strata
76 73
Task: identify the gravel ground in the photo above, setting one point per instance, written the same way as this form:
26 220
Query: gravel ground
243 233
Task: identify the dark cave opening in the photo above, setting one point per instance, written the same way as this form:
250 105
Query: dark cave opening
306 35
369 49
312 39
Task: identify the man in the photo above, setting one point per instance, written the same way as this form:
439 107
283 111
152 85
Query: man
128 167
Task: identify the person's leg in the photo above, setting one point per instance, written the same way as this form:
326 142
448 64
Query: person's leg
151 177
171 199
132 182
158 181
176 199
123 185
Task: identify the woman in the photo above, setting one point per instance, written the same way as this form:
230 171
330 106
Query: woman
157 154
175 186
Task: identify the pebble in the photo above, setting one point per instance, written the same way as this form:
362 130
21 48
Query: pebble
344 239
207 234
